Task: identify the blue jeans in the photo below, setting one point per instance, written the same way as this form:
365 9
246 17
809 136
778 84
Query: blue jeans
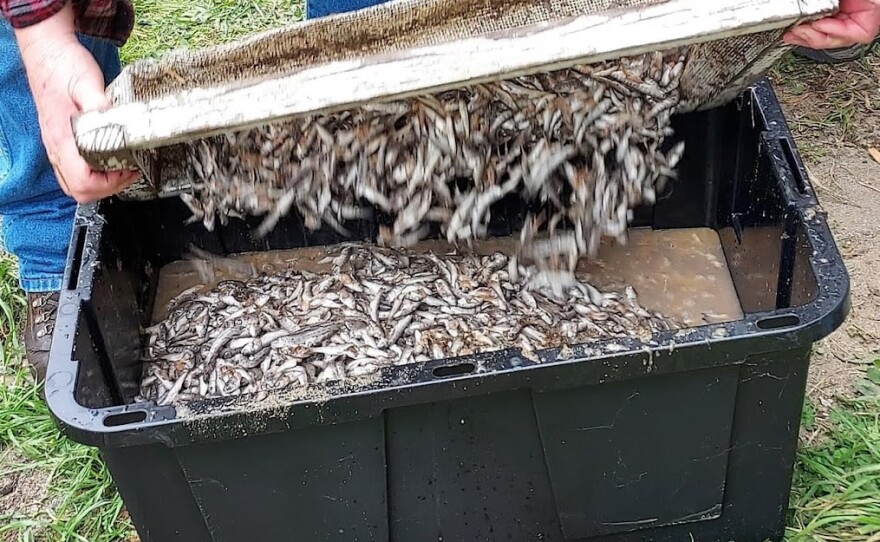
37 217
322 8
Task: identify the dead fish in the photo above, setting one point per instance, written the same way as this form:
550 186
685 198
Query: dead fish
602 141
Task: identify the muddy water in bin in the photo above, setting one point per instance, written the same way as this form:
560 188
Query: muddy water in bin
681 273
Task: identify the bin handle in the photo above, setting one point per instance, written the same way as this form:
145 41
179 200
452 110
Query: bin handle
789 171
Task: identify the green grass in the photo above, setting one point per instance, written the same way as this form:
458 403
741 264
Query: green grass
162 25
836 494
80 503
837 484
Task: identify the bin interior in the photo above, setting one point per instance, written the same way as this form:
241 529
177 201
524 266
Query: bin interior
681 272
723 241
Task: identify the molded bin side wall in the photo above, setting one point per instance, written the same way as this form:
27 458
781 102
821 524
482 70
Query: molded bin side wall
707 454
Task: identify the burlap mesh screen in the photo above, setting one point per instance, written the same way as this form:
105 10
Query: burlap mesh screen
715 71
393 26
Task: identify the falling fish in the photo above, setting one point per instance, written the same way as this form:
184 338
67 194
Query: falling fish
586 144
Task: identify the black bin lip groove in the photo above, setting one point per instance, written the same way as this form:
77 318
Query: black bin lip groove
600 361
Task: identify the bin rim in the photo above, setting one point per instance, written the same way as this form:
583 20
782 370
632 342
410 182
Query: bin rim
601 361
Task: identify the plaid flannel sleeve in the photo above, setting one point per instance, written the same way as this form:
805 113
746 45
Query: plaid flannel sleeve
22 13
108 19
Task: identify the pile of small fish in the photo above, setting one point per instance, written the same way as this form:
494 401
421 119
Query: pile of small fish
584 146
374 307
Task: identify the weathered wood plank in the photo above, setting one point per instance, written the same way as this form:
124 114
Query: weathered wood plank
343 84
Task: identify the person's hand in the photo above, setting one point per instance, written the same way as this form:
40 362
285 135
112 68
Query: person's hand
858 21
65 79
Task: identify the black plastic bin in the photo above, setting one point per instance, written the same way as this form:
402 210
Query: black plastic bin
691 438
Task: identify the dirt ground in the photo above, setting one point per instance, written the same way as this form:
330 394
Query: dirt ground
834 112
24 493
849 188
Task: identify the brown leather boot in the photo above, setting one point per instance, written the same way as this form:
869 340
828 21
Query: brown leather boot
42 308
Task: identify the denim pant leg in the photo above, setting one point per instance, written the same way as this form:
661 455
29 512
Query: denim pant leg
322 8
37 217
